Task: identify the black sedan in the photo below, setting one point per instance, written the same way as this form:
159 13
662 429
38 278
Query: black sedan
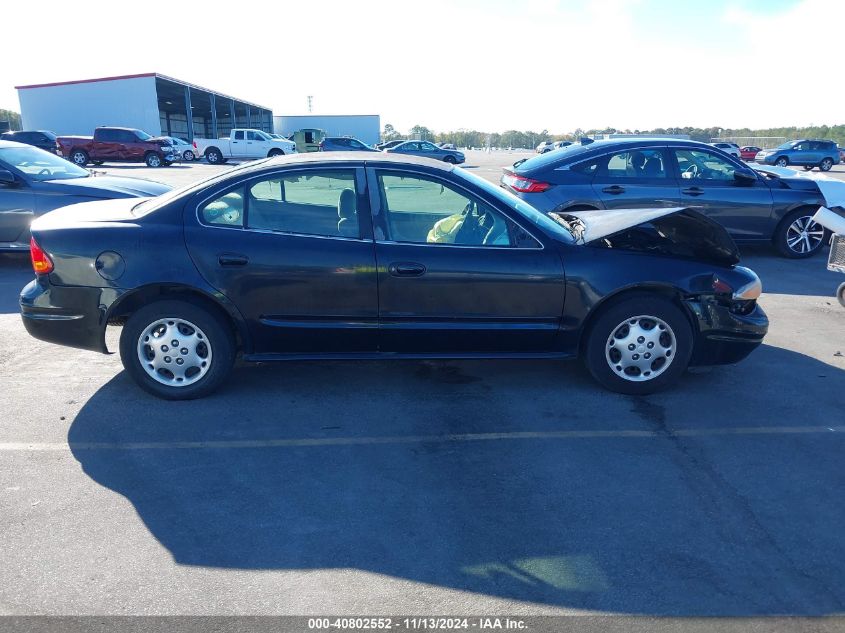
754 205
33 182
367 256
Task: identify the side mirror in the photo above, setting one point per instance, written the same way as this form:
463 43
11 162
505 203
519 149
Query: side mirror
7 177
745 176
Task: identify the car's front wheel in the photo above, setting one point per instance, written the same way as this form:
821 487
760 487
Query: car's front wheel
797 236
783 161
840 294
639 345
153 160
177 350
275 152
826 164
188 155
449 159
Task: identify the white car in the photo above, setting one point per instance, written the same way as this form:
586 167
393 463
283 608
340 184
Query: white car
183 148
242 143
729 148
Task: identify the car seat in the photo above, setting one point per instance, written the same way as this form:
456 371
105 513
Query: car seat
347 213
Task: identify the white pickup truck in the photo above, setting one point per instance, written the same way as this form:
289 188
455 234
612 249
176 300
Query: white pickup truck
242 143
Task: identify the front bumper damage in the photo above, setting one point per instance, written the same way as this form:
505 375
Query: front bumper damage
726 335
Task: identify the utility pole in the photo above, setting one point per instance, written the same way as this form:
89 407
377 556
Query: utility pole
310 101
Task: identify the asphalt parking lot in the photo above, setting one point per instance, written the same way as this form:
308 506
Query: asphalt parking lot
509 487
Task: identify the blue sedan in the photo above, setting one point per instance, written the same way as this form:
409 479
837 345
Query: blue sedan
428 150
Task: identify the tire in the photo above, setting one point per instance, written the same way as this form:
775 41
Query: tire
449 159
622 370
153 160
188 156
79 157
840 294
783 161
209 340
791 227
275 152
214 156
826 164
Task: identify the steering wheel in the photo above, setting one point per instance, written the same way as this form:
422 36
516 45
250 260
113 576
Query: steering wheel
692 170
45 172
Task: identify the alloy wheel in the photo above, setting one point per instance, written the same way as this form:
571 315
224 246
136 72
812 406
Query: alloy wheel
804 236
641 348
174 352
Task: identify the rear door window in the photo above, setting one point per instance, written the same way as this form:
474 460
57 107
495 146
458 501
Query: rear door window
313 202
631 165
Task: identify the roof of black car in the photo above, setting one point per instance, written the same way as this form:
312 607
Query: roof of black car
355 157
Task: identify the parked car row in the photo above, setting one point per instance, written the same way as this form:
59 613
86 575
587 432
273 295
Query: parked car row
806 153
425 149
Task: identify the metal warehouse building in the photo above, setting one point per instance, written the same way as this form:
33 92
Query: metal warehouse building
151 102
364 127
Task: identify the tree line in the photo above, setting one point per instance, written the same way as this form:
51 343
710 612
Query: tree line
530 139
12 117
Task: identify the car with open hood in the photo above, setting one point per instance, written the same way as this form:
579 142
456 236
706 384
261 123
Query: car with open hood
34 181
384 256
759 205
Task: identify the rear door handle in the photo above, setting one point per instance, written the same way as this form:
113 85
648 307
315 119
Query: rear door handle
406 269
693 191
615 190
231 259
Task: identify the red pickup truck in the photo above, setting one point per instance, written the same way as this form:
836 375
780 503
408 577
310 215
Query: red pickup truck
117 144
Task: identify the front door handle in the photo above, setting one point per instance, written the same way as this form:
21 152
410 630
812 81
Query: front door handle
406 269
693 191
614 190
232 259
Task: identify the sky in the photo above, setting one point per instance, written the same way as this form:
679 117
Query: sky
489 65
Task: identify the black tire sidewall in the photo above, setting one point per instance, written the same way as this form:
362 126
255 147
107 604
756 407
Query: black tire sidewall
85 154
616 313
218 156
785 162
825 162
218 333
840 294
149 157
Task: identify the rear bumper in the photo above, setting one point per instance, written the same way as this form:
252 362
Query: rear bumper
725 337
73 316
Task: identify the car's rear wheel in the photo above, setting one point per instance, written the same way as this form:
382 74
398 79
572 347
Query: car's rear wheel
188 155
79 157
826 164
153 160
177 349
797 236
639 345
214 156
783 161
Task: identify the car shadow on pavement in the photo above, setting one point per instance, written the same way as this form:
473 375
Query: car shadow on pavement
791 276
15 273
379 466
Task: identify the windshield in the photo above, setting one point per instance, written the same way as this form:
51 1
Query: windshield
142 136
788 145
524 209
36 164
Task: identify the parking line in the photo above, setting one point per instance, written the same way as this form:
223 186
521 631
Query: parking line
414 439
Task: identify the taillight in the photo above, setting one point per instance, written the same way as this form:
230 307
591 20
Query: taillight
41 263
524 184
195 145
321 146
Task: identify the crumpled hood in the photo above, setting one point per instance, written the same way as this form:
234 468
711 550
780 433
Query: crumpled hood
673 231
832 190
110 187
